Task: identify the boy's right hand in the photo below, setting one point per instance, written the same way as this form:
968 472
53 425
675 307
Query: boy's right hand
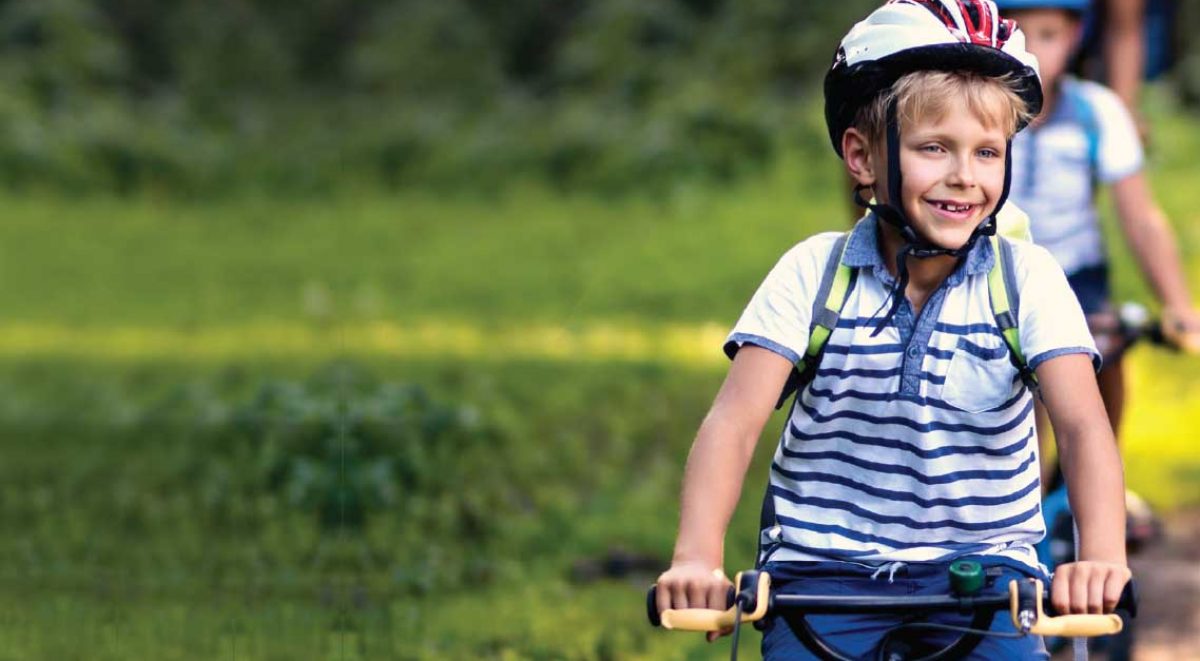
694 585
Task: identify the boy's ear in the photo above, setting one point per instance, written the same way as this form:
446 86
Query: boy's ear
856 151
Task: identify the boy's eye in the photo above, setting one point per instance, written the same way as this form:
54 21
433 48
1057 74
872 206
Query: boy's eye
987 152
931 148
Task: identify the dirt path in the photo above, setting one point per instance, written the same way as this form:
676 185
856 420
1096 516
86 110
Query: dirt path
1168 576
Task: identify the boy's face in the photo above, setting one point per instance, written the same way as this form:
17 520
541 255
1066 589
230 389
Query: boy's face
953 175
1051 35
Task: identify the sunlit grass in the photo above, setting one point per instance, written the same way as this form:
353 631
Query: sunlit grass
1162 461
693 345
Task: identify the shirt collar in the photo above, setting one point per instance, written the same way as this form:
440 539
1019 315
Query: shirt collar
862 251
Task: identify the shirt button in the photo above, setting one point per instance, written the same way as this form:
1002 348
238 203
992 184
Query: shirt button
913 352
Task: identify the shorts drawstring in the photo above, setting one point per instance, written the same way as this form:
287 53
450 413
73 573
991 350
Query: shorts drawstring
769 541
891 568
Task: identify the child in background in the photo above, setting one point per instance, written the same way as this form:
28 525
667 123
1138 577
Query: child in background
1083 139
911 441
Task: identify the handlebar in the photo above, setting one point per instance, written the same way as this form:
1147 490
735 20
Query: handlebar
1026 602
754 607
1116 331
1027 598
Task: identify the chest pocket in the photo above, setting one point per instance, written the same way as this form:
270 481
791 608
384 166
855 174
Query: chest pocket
979 378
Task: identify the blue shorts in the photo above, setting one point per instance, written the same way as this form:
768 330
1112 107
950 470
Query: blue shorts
1091 287
859 635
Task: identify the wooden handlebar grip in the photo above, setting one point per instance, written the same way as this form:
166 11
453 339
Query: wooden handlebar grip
1078 625
697 619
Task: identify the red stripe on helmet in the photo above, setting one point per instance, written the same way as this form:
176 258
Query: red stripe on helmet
978 20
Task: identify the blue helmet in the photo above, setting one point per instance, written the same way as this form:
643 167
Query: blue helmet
1080 6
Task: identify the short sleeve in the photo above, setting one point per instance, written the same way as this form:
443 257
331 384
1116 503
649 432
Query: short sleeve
778 315
1120 149
1051 321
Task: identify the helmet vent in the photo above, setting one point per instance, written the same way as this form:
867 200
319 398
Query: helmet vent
974 23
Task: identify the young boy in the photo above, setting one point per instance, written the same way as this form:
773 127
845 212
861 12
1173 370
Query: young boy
1083 138
911 442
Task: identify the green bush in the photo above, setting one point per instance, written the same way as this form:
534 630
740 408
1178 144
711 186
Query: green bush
118 95
444 478
207 98
342 448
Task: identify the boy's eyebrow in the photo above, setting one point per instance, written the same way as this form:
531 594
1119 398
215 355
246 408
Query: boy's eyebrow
918 135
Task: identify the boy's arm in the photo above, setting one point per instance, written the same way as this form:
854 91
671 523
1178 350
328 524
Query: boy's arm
1092 468
1153 244
712 481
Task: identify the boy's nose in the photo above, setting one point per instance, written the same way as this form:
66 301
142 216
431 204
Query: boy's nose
962 174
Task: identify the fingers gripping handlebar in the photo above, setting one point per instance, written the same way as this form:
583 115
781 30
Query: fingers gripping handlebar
753 591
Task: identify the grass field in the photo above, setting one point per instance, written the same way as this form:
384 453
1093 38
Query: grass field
584 330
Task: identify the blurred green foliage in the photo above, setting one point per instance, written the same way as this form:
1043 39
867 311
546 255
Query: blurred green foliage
206 97
346 448
167 515
160 470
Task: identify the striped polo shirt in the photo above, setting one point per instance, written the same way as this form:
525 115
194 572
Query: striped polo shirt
917 444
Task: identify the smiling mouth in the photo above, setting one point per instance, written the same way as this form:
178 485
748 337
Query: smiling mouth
953 209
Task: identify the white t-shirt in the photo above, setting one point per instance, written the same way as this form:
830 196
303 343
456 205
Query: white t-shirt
1089 138
917 444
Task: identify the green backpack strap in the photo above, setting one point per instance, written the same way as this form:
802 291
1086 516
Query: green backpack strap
1005 300
836 283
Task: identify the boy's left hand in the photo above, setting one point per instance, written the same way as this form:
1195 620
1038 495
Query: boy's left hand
1088 586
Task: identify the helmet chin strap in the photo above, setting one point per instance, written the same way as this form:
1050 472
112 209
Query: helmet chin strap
893 213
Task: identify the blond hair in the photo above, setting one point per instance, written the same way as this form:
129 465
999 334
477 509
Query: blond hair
931 95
